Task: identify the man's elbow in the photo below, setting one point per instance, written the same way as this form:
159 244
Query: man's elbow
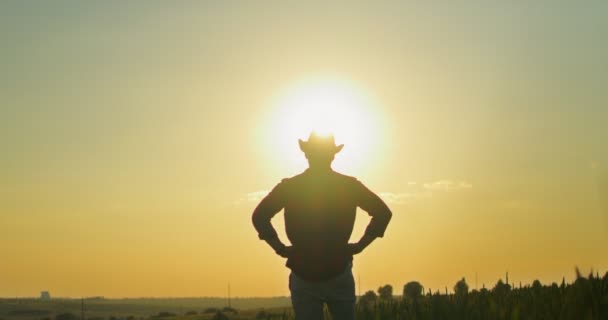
388 214
261 217
257 218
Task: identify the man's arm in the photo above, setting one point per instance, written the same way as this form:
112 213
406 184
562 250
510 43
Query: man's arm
380 213
263 213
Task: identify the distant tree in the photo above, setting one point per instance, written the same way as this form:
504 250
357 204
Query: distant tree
211 310
501 288
368 298
67 316
412 295
191 313
385 292
461 288
461 292
412 290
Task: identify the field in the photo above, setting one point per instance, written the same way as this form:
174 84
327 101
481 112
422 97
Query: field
585 298
139 308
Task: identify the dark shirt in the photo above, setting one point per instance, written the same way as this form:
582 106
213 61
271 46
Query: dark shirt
320 209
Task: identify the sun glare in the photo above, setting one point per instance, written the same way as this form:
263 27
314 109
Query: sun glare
325 106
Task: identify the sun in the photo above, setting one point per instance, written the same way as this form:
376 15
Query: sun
326 105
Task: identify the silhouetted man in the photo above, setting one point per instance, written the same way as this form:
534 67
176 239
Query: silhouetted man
320 207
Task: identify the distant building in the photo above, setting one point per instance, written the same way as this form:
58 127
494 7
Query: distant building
45 295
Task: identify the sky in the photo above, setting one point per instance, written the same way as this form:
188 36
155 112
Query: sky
137 138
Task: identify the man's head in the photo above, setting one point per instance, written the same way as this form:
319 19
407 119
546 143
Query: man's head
320 149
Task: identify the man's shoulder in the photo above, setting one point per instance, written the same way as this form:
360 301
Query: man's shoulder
290 180
293 178
304 178
346 178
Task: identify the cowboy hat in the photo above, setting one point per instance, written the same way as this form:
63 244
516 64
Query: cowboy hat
320 144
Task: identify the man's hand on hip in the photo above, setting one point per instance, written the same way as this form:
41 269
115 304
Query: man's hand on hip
278 247
285 252
355 248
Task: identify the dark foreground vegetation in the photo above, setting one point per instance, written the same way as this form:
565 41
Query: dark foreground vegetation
585 298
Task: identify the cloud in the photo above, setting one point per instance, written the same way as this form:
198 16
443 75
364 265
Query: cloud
424 190
447 185
413 191
400 198
254 197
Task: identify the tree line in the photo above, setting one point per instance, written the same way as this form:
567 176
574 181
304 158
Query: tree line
585 298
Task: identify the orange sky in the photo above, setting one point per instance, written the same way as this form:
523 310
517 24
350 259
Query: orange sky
137 138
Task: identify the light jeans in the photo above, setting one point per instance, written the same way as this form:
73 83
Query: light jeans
338 293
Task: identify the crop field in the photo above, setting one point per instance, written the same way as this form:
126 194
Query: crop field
585 298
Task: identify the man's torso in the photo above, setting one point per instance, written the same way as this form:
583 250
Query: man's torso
320 210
